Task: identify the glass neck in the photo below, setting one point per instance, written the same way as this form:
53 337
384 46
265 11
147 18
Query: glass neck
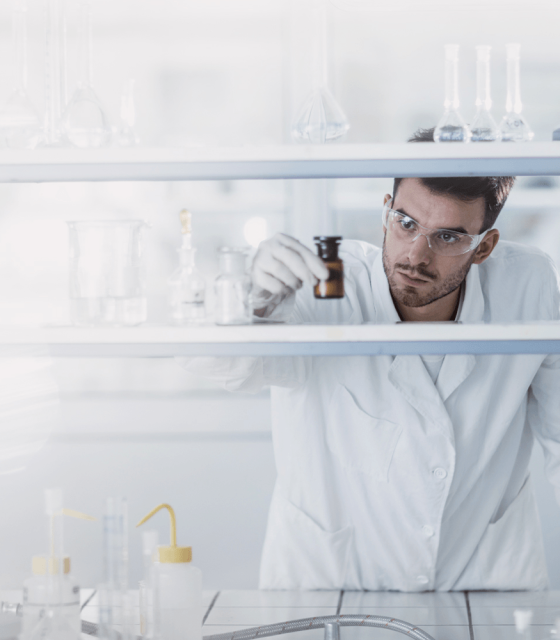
451 83
483 99
19 27
513 100
320 63
85 46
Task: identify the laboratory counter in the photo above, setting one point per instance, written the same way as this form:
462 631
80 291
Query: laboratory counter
445 616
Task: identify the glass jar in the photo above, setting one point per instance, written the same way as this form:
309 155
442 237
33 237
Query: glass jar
333 286
232 288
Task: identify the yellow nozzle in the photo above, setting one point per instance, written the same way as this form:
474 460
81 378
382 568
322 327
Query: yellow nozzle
185 216
76 514
172 553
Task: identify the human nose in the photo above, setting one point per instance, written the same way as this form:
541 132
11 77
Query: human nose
420 251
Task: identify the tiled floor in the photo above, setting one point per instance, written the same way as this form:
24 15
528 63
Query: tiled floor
445 616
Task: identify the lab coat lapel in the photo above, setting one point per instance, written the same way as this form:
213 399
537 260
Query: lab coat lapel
456 368
407 374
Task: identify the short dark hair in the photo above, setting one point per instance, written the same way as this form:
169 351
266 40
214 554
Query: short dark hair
494 190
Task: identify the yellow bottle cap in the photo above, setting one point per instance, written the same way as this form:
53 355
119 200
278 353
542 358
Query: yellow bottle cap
185 216
172 553
39 565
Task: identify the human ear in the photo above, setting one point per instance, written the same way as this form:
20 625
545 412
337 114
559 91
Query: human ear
486 247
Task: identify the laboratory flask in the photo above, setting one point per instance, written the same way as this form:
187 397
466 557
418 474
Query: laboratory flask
232 288
451 127
514 127
107 272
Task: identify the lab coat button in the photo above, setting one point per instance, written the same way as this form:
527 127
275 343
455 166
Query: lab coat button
440 473
422 579
427 531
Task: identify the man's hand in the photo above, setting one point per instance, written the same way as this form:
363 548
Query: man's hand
281 266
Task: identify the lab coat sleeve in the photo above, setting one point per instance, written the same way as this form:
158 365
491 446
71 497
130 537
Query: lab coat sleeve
544 400
252 374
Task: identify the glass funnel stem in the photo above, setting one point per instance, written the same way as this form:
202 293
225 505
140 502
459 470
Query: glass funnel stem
85 44
320 63
483 99
513 99
19 27
451 77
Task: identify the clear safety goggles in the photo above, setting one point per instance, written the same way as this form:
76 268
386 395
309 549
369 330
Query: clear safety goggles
441 241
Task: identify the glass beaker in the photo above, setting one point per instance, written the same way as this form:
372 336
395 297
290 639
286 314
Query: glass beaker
107 272
232 287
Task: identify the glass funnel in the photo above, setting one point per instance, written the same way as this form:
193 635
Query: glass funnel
320 118
107 272
19 120
85 121
484 128
451 127
514 127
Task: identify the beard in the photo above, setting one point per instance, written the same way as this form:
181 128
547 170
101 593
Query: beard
410 296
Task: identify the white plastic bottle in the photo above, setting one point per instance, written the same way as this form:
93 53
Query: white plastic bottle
39 594
179 588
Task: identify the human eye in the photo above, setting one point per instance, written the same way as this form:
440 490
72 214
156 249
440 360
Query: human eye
448 237
406 223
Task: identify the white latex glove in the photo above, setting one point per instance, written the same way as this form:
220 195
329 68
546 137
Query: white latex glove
280 267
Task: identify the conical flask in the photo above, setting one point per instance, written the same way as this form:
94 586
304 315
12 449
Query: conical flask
19 120
451 127
85 121
514 127
484 128
320 119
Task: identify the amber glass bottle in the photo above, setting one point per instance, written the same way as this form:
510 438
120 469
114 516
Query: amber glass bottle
333 287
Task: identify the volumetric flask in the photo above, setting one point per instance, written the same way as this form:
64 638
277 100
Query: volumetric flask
107 272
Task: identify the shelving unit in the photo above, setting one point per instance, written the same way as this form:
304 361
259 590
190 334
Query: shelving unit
286 340
283 162
289 161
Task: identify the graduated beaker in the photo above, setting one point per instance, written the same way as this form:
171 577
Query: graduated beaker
107 272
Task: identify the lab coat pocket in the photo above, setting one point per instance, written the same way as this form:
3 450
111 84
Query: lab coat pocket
360 441
300 554
510 554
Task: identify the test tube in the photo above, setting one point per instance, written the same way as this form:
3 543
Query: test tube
514 127
451 127
484 128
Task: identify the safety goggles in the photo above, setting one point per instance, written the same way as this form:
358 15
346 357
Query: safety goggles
443 242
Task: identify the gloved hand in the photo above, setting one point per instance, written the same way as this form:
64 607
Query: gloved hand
280 267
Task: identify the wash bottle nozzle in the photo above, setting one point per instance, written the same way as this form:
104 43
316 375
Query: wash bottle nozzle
172 553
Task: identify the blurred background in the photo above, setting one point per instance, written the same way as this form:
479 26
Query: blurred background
230 73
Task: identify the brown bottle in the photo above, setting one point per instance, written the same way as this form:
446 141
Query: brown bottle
333 287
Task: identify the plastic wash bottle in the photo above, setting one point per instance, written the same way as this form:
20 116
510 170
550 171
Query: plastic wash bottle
179 587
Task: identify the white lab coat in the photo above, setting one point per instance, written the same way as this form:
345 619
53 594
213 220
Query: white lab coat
389 481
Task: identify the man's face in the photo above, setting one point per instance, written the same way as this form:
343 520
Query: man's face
416 275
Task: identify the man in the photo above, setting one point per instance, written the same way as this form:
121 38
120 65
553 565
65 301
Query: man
409 473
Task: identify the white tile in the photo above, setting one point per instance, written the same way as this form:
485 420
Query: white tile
438 633
313 634
398 599
527 599
435 616
503 632
259 616
258 598
504 615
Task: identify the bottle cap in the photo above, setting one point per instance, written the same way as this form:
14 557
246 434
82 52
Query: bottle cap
185 216
172 553
39 565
